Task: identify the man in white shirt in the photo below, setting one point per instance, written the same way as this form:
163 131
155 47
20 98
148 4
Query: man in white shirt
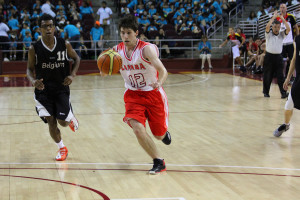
273 62
4 41
105 14
46 8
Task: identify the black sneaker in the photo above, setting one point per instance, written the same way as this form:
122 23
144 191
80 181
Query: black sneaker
167 139
282 128
266 95
158 166
243 69
284 95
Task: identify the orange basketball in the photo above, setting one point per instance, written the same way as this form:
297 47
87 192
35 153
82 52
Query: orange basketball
109 62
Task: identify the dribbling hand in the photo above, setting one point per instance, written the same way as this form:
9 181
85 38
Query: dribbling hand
68 80
38 84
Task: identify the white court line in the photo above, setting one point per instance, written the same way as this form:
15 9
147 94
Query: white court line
140 164
173 198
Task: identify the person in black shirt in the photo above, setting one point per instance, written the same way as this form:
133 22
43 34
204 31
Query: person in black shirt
294 96
49 72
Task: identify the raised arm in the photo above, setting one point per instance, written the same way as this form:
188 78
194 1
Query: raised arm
269 24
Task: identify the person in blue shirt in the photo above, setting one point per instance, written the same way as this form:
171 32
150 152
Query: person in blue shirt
166 9
35 15
152 10
140 9
132 4
96 35
13 23
144 21
179 11
23 31
190 21
59 6
26 43
85 9
205 52
162 21
37 33
73 34
151 27
13 47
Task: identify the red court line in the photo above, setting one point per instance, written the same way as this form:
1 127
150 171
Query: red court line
44 179
180 171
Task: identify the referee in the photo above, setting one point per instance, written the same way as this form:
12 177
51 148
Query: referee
273 60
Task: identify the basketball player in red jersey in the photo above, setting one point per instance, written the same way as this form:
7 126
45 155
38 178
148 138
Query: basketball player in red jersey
145 99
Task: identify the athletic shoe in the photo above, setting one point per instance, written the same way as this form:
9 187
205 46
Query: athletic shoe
282 128
62 154
158 166
74 124
266 95
210 67
243 69
167 139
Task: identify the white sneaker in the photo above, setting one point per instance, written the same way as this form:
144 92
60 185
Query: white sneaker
6 59
202 67
210 67
74 124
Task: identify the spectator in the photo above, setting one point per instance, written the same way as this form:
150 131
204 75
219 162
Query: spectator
24 14
183 27
46 8
160 43
152 10
166 9
196 31
73 34
261 12
226 7
252 19
124 11
140 10
143 37
35 14
23 31
132 5
60 6
243 48
36 5
144 21
105 15
83 48
37 33
190 21
13 47
4 41
205 52
85 9
26 43
96 35
162 21
13 23
151 27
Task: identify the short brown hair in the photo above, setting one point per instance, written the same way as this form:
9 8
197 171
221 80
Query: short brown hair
129 21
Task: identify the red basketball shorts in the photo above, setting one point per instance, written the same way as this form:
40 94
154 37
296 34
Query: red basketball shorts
151 105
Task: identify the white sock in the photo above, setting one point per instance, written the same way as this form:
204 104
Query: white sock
60 144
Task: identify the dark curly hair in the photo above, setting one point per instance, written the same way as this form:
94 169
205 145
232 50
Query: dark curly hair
129 21
46 17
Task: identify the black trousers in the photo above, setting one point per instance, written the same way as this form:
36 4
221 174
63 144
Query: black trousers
273 64
287 51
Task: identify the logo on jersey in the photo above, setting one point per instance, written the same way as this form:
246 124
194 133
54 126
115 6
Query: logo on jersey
133 67
53 65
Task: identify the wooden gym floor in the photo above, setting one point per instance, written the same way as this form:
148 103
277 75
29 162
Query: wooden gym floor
222 147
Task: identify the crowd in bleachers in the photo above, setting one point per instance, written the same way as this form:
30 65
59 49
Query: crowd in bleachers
74 21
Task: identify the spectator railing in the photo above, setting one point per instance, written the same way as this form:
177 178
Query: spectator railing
263 20
249 28
190 46
211 31
234 13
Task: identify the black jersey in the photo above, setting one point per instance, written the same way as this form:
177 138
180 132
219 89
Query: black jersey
295 91
52 65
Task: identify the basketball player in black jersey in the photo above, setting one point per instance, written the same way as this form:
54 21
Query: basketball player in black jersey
49 71
294 96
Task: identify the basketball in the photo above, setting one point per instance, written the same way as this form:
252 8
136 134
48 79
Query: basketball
109 62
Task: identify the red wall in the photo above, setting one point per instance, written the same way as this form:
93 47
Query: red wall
90 66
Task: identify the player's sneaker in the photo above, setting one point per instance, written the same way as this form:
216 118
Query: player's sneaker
74 124
62 154
282 128
158 166
167 139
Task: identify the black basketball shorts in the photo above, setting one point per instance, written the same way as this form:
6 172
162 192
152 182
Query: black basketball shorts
56 104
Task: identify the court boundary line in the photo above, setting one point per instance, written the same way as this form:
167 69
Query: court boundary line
149 164
166 198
